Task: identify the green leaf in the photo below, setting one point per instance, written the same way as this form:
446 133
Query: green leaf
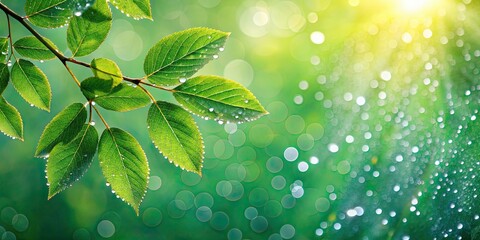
31 47
10 120
32 84
180 55
176 135
88 31
219 99
107 70
134 8
123 98
62 129
4 77
3 49
124 165
94 87
68 162
48 13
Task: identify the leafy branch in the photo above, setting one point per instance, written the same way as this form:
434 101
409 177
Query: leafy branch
71 140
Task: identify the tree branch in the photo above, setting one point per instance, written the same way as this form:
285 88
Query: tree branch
59 55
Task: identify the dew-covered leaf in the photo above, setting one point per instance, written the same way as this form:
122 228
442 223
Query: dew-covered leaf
11 123
176 135
68 162
31 47
4 77
3 49
107 70
124 165
136 9
180 55
32 84
87 31
54 13
123 98
219 99
62 129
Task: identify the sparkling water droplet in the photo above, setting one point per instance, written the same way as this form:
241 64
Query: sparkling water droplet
182 80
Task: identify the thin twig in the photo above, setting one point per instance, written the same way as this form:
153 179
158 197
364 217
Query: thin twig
101 117
10 37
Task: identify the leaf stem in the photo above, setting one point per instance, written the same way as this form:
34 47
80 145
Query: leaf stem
100 116
71 74
157 87
148 93
10 37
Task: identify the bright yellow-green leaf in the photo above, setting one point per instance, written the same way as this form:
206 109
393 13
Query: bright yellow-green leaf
68 162
31 47
107 70
219 99
178 56
10 120
87 31
176 135
136 9
62 129
124 165
32 84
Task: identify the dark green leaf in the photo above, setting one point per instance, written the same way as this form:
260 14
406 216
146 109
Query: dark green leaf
134 8
107 70
31 47
219 99
176 135
4 77
32 84
180 55
94 87
88 31
124 165
10 120
62 129
3 49
68 162
123 98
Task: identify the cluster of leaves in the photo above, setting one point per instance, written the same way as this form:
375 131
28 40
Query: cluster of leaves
71 140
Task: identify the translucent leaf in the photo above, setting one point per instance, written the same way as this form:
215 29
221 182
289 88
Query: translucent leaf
3 49
62 129
31 47
10 120
176 135
134 8
4 77
94 87
124 165
180 55
108 70
32 84
54 13
68 162
219 99
87 31
122 98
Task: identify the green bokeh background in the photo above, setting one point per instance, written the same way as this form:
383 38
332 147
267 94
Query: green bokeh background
372 131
